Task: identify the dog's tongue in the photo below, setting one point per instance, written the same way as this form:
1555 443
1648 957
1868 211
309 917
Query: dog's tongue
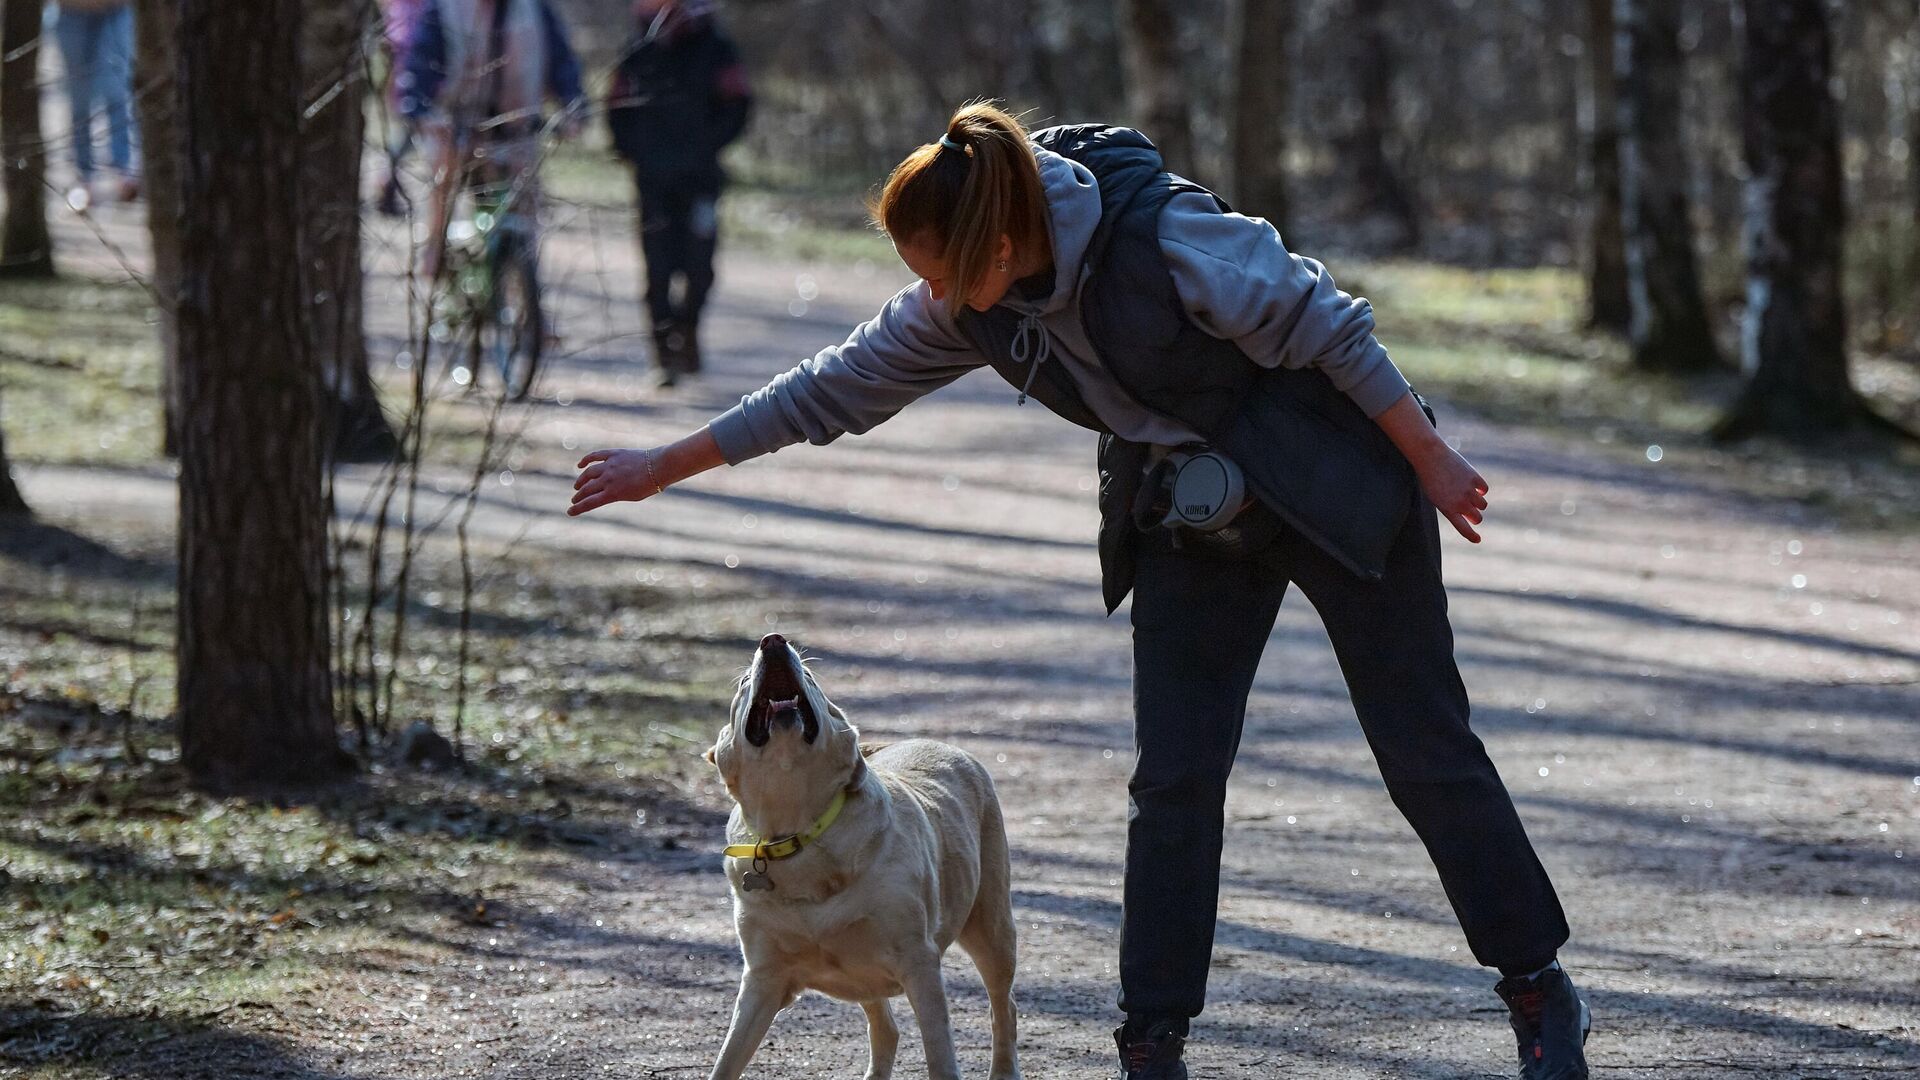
779 700
784 712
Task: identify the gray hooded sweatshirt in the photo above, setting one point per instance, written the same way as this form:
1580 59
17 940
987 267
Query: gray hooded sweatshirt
1235 278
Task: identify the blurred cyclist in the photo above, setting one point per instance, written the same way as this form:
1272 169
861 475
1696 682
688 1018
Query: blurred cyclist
476 79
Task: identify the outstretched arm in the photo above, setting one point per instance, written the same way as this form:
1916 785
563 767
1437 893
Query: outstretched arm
907 351
632 475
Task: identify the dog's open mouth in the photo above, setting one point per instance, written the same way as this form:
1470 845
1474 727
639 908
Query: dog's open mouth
779 698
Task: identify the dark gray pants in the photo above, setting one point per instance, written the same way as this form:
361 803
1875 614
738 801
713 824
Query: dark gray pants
1200 624
679 232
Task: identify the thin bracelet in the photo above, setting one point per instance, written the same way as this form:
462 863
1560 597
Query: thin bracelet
658 487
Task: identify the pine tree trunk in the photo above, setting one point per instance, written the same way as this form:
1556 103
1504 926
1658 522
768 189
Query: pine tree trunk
11 501
1669 330
156 22
335 39
26 249
1913 159
1257 91
255 693
1379 192
1608 307
1156 87
1794 339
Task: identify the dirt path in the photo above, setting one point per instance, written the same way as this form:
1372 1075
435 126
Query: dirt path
1707 709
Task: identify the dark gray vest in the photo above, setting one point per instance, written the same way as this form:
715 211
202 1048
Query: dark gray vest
1308 451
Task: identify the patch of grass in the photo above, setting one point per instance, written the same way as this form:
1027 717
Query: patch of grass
133 908
128 893
79 373
763 210
586 174
777 222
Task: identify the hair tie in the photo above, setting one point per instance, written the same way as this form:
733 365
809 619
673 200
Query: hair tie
948 142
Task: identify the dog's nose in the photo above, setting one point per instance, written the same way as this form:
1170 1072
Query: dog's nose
772 641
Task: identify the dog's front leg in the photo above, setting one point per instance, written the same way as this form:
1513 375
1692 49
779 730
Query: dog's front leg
928 996
753 1011
883 1036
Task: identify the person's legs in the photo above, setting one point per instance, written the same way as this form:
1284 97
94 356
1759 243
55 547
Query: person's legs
663 245
392 201
1199 627
702 239
114 67
76 32
448 157
1395 647
656 250
399 135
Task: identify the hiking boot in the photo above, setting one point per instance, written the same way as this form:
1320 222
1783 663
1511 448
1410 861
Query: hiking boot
1551 1021
1152 1056
669 354
690 353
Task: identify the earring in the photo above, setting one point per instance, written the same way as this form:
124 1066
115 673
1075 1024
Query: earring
1001 266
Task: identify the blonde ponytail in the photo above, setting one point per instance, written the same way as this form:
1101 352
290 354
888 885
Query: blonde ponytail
962 193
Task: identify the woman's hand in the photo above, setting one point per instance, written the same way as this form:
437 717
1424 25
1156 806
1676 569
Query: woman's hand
608 476
1454 488
1451 484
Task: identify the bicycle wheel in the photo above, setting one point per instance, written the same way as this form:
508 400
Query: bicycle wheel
517 331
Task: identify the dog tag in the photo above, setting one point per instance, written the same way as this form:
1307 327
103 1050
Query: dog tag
755 881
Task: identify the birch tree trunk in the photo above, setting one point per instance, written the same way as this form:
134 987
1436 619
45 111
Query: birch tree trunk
1794 338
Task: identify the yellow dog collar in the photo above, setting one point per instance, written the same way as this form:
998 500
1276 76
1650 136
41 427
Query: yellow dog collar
786 846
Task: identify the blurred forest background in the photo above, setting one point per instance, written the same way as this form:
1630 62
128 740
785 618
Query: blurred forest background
1470 132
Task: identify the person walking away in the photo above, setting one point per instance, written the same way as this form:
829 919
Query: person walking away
477 78
678 97
96 45
1135 303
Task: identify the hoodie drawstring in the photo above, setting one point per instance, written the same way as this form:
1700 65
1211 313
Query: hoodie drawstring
1031 345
